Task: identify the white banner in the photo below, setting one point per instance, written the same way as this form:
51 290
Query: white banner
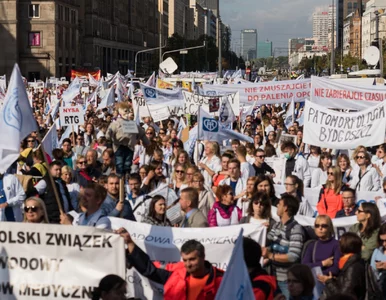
152 110
71 115
330 129
163 244
161 96
271 92
44 261
193 101
335 94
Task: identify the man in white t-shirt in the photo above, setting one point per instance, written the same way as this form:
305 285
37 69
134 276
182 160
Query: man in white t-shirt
246 168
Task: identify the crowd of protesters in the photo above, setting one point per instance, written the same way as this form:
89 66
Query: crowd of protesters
216 185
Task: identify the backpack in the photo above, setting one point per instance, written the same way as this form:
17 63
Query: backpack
373 290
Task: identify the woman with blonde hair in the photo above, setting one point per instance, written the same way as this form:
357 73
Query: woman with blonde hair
324 251
35 211
330 197
178 177
72 187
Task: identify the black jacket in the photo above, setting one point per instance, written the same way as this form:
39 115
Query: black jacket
351 279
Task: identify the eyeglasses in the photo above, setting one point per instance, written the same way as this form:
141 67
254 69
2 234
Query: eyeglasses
30 141
360 211
149 133
161 132
291 130
382 241
330 173
180 171
324 226
82 162
359 157
31 208
248 125
261 156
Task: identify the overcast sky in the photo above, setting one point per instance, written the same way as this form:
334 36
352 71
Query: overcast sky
276 20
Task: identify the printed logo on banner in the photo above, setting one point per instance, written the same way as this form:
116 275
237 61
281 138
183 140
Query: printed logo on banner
210 125
12 111
150 93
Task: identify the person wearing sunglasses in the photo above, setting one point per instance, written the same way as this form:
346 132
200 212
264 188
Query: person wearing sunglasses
330 196
81 175
369 222
259 211
35 211
365 178
319 175
378 259
178 178
224 212
324 251
260 166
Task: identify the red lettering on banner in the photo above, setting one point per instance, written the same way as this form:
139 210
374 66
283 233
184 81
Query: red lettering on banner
250 90
70 110
319 92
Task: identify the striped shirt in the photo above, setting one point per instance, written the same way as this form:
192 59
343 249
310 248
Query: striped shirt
295 245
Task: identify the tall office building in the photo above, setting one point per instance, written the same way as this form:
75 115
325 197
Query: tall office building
320 26
264 49
249 44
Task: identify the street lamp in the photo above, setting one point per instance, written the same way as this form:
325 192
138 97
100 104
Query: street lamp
143 51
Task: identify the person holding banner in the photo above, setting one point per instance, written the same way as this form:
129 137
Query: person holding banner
366 177
192 278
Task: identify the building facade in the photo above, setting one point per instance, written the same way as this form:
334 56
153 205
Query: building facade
249 44
264 49
213 5
321 23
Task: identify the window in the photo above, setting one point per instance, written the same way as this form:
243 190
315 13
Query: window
73 17
34 39
67 14
34 11
60 12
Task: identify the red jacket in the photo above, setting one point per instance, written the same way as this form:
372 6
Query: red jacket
264 285
176 286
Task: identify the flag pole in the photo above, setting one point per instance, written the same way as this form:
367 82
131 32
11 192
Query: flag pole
51 178
73 136
198 134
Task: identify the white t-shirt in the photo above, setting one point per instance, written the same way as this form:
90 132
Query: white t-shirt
246 170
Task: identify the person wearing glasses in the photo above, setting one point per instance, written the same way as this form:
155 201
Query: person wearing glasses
260 166
178 179
378 259
330 197
35 211
205 197
349 205
259 211
80 148
80 174
323 252
369 222
294 186
319 175
365 178
225 212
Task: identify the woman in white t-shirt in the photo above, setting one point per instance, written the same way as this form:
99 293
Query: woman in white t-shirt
313 158
259 211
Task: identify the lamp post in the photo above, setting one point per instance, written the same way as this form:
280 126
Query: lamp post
143 51
332 40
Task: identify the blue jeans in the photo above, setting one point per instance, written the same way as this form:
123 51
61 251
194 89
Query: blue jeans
283 285
123 160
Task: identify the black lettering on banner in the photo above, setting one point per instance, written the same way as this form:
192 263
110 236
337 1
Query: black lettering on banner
50 235
322 135
75 294
6 288
65 295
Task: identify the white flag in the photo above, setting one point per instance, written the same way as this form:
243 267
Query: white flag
236 283
137 117
92 81
247 111
72 91
227 116
181 126
161 96
208 127
120 90
152 80
289 119
237 74
50 141
108 99
67 132
16 120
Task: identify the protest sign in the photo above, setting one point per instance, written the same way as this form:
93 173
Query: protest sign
330 129
271 92
336 94
151 110
193 101
129 127
71 115
160 114
214 104
163 244
46 261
